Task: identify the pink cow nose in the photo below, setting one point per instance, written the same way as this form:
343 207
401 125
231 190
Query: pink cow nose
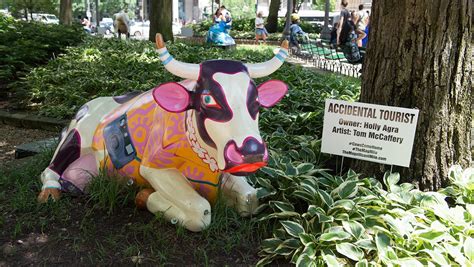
251 156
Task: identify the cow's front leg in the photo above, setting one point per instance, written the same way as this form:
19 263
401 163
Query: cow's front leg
239 194
175 197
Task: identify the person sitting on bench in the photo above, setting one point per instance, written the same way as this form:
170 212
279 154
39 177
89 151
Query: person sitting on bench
297 35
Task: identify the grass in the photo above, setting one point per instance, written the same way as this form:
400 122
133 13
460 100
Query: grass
105 228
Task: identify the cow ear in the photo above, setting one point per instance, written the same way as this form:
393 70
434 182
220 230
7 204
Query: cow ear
270 92
172 97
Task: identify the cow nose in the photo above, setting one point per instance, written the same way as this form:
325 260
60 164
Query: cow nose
251 151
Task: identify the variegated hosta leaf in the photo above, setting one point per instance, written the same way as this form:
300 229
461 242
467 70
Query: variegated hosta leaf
282 206
390 179
335 236
331 261
293 228
354 228
347 189
351 251
469 248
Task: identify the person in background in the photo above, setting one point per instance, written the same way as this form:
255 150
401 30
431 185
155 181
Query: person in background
86 24
348 40
367 30
361 24
333 40
343 18
260 31
297 35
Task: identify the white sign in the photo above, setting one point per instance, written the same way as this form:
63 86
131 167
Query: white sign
377 133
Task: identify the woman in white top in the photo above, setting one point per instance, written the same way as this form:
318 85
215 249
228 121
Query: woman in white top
361 23
260 31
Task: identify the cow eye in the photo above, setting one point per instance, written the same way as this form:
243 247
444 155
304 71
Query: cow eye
209 101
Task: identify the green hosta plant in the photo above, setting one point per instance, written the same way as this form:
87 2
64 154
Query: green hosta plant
322 219
462 188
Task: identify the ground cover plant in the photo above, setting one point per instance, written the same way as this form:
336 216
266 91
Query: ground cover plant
104 67
104 227
323 219
245 29
25 45
309 215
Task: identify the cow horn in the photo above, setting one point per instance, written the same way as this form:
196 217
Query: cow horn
178 68
257 70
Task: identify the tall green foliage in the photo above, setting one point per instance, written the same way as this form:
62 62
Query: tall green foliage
321 5
24 45
240 8
102 67
22 7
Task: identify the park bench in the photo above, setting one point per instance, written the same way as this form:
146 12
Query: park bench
325 56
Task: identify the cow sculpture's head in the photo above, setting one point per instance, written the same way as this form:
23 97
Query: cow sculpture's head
223 107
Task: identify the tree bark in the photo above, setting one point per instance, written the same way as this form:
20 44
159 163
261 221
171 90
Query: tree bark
65 12
161 18
272 20
419 56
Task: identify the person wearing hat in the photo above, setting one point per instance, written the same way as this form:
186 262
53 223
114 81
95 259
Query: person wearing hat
297 35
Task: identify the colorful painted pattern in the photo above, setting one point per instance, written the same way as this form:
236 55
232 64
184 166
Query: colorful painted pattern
159 138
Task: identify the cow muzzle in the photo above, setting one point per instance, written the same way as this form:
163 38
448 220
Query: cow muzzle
248 158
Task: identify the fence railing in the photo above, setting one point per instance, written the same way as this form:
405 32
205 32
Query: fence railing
323 56
320 56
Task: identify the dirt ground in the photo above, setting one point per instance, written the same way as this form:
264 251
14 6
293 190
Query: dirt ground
77 231
12 136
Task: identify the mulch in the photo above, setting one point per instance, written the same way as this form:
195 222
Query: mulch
12 136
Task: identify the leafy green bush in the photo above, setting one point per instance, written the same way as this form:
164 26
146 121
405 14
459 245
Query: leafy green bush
24 45
271 36
247 25
321 219
105 67
462 185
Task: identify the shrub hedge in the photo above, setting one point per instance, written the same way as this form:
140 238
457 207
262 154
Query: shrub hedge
245 28
24 45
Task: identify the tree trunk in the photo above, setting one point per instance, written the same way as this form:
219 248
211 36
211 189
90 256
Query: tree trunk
419 56
65 12
272 20
161 18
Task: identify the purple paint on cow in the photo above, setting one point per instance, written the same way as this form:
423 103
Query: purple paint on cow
252 103
69 152
207 85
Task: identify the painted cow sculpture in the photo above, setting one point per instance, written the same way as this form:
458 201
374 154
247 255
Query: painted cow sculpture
183 140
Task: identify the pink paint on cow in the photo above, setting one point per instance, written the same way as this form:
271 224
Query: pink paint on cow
172 97
233 155
271 92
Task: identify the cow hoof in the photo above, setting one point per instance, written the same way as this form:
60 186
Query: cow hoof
142 197
46 193
248 204
198 219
